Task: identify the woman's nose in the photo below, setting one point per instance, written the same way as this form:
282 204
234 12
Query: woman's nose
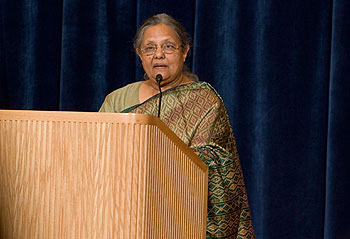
159 53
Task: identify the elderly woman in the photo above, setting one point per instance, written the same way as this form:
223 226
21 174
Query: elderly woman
196 113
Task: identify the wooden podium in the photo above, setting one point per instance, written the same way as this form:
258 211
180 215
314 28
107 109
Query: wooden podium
97 175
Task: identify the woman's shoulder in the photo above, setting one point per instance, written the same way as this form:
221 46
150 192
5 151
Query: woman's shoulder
127 89
122 98
206 85
206 90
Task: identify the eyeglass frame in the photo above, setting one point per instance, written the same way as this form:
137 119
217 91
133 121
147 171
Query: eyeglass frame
162 48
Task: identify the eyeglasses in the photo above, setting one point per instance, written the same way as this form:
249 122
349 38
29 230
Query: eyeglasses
167 48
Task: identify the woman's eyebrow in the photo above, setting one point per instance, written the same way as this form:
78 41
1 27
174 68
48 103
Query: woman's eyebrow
162 41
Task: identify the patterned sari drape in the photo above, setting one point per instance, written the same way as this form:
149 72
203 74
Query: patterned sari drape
197 115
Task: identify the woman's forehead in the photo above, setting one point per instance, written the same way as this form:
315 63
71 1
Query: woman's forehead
159 33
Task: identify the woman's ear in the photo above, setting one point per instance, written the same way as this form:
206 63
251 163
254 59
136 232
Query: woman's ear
185 52
138 52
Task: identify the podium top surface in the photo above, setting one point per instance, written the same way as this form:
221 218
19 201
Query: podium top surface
101 117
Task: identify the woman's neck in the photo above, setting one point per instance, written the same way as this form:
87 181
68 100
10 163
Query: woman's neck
150 88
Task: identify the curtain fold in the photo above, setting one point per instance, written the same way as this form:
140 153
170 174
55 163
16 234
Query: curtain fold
337 224
96 51
282 69
31 52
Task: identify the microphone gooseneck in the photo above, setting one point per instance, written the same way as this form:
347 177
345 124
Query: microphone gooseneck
159 78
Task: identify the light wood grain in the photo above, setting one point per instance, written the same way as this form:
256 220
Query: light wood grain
97 175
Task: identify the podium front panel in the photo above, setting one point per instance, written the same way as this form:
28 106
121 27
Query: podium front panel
97 175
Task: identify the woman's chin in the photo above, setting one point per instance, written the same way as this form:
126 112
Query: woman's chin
165 75
163 72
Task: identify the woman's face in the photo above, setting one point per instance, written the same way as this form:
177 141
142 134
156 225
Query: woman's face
169 65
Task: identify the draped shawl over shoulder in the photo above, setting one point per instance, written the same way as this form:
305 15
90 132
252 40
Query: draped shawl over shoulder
197 115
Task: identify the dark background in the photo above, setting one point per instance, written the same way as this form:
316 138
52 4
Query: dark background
282 68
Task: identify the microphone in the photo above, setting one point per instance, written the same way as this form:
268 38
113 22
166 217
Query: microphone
159 78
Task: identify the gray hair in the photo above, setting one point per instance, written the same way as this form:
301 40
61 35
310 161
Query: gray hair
179 30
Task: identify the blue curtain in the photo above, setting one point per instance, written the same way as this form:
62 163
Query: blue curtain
282 68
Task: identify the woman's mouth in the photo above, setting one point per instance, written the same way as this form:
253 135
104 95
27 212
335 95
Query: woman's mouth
159 66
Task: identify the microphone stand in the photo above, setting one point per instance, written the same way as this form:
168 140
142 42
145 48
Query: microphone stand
159 78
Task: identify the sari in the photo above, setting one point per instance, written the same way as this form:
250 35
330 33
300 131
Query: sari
197 115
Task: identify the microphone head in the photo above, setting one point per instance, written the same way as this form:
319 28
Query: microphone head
159 78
